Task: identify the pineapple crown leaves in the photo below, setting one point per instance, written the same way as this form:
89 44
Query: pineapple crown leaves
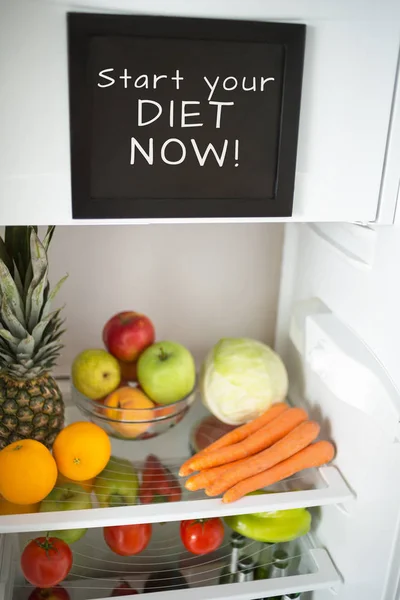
29 332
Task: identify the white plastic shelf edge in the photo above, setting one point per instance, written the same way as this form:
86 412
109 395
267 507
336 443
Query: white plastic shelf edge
325 577
335 492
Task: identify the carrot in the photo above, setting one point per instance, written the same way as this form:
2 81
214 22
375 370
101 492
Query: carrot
297 439
314 455
237 435
300 437
206 477
261 439
242 432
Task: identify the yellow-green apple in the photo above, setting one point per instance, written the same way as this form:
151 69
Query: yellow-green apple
67 496
87 485
95 373
127 334
117 484
166 372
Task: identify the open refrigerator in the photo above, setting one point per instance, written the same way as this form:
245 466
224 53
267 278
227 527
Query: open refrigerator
324 293
352 548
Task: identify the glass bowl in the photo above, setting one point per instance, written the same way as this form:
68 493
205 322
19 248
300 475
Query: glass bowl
133 424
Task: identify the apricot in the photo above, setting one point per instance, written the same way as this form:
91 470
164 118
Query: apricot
133 403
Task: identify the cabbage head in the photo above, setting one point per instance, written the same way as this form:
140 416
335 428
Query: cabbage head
241 378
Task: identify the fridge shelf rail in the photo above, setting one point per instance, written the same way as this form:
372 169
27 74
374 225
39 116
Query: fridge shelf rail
324 577
314 487
97 571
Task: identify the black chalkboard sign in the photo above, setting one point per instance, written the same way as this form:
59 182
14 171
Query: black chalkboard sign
174 117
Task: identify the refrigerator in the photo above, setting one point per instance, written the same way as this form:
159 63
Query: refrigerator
319 286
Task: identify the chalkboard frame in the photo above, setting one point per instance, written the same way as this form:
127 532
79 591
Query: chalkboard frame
83 26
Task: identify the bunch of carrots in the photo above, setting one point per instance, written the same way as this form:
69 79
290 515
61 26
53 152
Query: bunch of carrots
276 445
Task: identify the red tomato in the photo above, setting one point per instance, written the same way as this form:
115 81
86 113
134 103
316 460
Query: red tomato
127 540
201 536
52 593
45 562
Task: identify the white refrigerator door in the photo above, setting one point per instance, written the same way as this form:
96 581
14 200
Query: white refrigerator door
349 78
339 299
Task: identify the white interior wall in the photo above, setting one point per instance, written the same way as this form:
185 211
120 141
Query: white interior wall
197 283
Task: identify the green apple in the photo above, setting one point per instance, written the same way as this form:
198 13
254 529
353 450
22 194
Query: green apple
117 484
166 372
67 496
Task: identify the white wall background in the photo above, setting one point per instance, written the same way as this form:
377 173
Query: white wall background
197 283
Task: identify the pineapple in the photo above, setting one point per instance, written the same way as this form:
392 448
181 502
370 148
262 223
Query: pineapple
31 405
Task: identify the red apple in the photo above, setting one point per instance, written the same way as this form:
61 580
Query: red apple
127 334
123 589
54 593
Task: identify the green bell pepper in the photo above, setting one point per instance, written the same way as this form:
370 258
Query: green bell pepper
273 527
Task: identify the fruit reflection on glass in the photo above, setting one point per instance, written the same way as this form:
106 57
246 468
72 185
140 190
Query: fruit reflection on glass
117 484
87 485
9 508
127 334
52 593
134 403
67 496
123 589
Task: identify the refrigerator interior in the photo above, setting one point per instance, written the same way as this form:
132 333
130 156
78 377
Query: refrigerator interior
326 298
97 570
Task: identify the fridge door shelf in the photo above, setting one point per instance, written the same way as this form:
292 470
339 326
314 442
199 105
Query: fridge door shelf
329 347
314 487
96 571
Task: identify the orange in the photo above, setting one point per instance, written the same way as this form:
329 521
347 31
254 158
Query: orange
8 508
81 451
28 472
133 401
86 485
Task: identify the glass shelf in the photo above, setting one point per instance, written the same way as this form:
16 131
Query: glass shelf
96 571
314 487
